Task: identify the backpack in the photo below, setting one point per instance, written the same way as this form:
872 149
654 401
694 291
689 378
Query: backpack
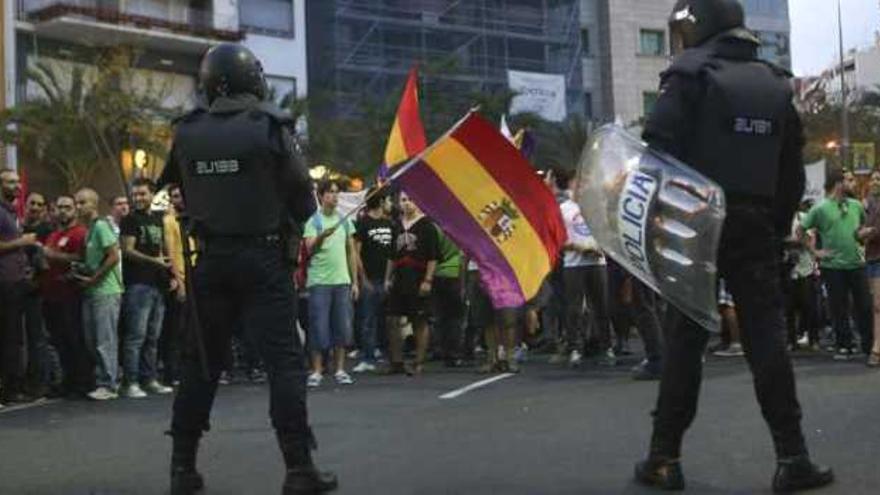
300 276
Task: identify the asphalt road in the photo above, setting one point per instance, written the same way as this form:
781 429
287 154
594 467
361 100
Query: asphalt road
549 430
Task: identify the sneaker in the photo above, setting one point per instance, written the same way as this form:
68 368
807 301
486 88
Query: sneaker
343 378
557 358
154 387
733 350
575 359
257 376
103 393
314 380
842 354
133 391
364 367
609 358
873 360
354 354
378 356
224 378
646 371
521 353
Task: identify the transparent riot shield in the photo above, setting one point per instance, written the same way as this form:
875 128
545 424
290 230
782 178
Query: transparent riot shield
656 217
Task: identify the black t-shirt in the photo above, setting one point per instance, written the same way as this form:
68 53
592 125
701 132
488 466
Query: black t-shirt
413 249
146 228
375 236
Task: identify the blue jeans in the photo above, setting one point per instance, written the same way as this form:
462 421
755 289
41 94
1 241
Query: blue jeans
100 321
370 313
330 315
144 309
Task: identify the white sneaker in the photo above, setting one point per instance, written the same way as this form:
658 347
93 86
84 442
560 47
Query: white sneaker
575 359
354 354
154 387
377 355
364 367
102 393
521 354
314 380
343 378
733 350
133 391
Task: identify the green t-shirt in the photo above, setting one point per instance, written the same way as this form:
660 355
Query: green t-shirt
99 238
329 264
837 223
450 258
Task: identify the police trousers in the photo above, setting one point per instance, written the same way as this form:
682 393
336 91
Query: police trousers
749 259
248 284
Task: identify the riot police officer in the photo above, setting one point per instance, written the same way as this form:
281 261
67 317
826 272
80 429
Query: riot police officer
730 117
234 159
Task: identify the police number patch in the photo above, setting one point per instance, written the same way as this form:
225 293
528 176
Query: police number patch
753 126
216 167
635 202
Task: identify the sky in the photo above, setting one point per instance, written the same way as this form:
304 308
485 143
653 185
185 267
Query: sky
814 31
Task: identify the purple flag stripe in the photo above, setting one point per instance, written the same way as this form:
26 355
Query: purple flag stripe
437 201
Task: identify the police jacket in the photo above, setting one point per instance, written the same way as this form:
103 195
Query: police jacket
236 164
730 116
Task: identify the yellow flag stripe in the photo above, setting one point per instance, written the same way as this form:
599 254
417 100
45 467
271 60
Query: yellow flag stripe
395 151
476 189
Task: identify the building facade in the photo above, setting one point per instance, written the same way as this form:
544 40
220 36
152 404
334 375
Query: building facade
626 47
168 38
360 48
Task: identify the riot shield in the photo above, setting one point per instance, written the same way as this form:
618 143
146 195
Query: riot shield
656 217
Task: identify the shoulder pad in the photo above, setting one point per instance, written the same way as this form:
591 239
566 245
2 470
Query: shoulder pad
274 112
189 116
779 71
689 63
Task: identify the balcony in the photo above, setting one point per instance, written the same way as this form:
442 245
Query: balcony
173 25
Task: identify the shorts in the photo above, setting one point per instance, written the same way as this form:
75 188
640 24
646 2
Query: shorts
406 301
873 269
330 315
724 297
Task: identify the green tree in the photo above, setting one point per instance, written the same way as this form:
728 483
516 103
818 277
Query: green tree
82 119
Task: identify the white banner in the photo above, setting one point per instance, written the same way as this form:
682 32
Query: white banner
349 201
538 93
815 187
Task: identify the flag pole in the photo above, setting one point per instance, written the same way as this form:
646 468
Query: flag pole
405 167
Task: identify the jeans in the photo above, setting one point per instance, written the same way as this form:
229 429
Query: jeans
640 310
841 285
449 312
590 282
236 283
43 362
100 320
749 260
370 312
144 308
330 315
65 325
12 304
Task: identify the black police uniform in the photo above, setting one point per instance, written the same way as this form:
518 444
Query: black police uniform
242 184
730 117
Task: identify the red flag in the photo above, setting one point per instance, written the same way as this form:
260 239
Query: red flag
20 206
407 137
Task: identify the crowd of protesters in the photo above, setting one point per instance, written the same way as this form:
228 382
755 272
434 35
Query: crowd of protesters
95 306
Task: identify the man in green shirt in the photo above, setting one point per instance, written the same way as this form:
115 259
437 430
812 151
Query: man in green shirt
101 277
332 284
448 293
838 220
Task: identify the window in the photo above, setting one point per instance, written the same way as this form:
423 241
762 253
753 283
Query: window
281 87
649 99
273 17
585 41
588 105
652 42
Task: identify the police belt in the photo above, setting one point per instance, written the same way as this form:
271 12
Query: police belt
207 243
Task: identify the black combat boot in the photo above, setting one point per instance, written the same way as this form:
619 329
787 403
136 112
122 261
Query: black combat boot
303 478
663 473
799 473
185 480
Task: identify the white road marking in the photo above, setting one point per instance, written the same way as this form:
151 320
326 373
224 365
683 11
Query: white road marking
473 386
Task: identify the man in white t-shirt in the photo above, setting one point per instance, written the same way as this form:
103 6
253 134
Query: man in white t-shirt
585 277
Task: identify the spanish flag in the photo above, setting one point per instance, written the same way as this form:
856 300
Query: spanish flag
407 137
484 194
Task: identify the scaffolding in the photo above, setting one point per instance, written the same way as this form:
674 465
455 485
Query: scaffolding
366 47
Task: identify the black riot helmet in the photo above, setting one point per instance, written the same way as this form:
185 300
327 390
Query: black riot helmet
693 22
230 69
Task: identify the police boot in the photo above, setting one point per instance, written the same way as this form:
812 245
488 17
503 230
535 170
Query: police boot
799 473
658 472
185 480
303 478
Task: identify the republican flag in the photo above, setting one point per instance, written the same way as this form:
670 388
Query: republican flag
407 138
21 199
481 191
